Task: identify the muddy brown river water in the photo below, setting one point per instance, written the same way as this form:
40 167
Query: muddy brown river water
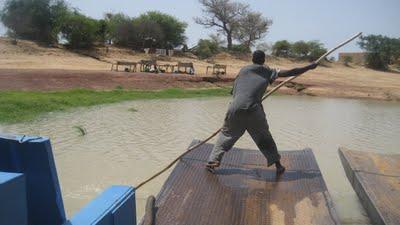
125 146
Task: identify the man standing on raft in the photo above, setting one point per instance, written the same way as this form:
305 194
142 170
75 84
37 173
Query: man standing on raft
246 112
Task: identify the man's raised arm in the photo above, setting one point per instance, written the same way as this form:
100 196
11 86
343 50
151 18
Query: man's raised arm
297 71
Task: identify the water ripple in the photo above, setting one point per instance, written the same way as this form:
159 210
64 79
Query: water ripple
124 147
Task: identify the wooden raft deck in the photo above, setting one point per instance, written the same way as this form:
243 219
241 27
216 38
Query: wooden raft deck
244 191
376 180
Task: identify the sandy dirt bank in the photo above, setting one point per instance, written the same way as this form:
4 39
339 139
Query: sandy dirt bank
28 66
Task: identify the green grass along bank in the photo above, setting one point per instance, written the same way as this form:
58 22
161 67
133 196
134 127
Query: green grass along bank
23 106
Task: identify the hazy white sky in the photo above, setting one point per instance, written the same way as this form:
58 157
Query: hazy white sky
324 20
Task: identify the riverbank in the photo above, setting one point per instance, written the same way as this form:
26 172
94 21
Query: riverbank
30 67
22 106
324 81
26 94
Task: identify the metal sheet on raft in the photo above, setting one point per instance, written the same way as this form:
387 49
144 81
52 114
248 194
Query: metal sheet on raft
376 180
245 191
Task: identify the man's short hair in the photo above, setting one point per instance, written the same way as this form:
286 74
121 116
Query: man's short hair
259 57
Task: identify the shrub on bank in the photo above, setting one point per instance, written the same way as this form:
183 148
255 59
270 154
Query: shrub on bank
240 49
347 60
374 60
206 48
382 51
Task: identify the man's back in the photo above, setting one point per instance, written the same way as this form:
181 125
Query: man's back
246 114
250 85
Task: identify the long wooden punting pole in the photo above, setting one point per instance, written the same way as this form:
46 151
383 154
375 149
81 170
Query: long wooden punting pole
264 97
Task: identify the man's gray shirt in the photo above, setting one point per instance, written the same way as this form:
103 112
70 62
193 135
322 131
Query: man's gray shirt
250 86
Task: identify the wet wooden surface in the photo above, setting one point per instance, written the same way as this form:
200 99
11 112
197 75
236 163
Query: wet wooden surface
376 180
244 191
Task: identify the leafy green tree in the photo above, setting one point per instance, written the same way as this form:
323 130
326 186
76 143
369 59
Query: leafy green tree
125 34
102 31
80 31
37 20
282 49
300 49
152 29
149 33
173 30
114 25
60 10
310 50
397 52
317 49
374 60
381 50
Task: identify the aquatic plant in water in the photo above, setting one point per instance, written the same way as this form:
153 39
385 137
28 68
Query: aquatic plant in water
132 110
82 131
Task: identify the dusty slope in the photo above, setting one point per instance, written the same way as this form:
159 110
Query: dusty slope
334 80
29 55
55 79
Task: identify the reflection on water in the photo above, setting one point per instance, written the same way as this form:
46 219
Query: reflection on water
124 147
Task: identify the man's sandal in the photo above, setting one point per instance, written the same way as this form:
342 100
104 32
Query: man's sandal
280 170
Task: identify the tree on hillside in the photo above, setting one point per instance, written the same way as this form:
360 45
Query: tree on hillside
102 31
152 29
114 22
381 50
37 20
317 49
80 31
149 32
300 49
126 34
224 15
173 30
252 27
59 11
282 49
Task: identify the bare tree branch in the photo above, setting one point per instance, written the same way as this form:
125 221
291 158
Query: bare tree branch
223 14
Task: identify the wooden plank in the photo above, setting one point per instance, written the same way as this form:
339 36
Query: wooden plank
245 191
376 180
